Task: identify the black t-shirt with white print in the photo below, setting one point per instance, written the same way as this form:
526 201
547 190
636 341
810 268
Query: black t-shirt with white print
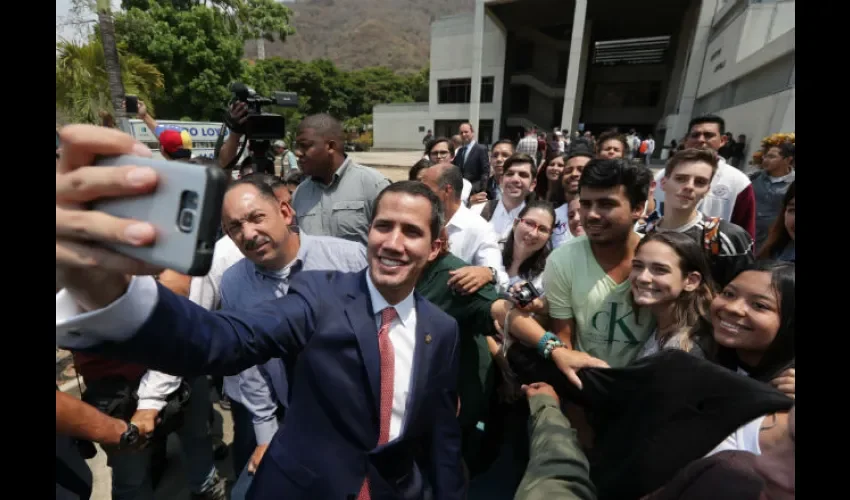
735 246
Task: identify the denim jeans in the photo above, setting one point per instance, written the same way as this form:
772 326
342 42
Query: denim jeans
244 439
131 478
243 483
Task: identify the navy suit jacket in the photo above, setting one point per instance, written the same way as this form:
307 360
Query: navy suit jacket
476 168
328 443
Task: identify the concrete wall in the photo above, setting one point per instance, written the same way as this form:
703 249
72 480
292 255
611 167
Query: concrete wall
396 126
756 36
759 118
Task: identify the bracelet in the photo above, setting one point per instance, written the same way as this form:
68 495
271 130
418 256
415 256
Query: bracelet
551 346
541 344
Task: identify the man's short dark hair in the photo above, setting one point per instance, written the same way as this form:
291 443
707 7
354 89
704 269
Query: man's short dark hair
325 125
416 188
690 156
521 158
504 141
613 135
788 149
434 142
261 182
413 174
295 178
606 174
721 123
452 176
579 150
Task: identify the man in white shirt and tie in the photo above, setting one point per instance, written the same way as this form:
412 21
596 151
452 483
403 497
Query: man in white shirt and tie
350 435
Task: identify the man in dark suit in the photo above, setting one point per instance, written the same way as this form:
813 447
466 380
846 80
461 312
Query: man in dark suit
374 404
473 159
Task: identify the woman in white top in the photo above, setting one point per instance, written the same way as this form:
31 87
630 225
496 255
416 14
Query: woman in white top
669 277
527 246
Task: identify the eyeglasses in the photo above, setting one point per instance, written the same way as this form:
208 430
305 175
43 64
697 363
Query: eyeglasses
439 154
532 226
560 228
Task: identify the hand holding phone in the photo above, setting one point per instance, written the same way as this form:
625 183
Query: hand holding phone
131 104
185 209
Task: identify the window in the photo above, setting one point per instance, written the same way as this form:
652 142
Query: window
627 94
487 85
459 90
524 51
520 95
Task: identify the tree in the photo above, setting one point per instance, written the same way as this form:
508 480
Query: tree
82 83
197 45
110 54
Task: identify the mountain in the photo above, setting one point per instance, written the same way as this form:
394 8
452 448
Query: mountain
361 33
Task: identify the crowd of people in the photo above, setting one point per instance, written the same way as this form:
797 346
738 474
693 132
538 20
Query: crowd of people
617 334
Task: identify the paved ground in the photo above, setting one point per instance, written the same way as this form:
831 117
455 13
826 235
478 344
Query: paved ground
404 159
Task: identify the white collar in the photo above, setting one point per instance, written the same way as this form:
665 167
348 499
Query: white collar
405 308
461 217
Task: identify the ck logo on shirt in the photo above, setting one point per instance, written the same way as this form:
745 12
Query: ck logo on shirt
616 317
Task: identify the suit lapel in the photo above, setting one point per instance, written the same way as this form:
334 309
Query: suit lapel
421 359
358 311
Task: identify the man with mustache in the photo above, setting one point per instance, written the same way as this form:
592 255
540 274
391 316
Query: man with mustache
259 223
373 411
686 181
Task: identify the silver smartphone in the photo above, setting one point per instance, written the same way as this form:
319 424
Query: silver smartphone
185 208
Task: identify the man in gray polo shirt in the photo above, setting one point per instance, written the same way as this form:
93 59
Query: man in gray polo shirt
259 224
337 198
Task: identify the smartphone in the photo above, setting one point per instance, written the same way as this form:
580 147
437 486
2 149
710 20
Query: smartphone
185 208
132 103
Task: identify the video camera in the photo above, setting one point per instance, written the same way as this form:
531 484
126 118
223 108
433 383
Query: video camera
262 126
259 127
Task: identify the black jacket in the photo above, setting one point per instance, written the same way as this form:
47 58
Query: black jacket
475 167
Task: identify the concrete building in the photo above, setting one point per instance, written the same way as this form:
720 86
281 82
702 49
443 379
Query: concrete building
596 64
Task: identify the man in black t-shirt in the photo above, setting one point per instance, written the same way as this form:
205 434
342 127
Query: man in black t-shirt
686 181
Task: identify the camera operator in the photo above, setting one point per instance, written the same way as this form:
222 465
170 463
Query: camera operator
230 148
238 117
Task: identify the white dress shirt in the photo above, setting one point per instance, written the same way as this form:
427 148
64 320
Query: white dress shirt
561 231
155 387
120 320
466 192
502 220
403 337
472 239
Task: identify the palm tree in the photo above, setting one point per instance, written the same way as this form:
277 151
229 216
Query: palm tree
111 61
83 84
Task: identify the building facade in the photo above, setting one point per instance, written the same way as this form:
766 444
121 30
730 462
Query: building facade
597 64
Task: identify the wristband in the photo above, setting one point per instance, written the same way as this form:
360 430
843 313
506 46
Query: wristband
551 346
541 344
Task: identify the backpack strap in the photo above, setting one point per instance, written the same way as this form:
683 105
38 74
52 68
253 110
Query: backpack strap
711 235
489 209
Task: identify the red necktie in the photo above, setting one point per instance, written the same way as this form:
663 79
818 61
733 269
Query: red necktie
385 347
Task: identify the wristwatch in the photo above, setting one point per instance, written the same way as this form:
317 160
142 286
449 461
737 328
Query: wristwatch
494 278
130 437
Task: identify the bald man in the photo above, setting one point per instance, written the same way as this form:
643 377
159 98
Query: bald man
338 196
